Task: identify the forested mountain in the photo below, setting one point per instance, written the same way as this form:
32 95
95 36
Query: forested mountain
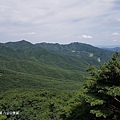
19 45
44 81
47 62
113 49
86 52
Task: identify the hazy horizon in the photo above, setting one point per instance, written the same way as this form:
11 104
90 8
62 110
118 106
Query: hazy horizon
99 46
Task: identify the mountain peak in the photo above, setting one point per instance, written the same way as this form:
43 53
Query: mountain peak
24 41
23 44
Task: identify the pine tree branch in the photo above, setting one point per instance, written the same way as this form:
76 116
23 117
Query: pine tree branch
113 107
116 99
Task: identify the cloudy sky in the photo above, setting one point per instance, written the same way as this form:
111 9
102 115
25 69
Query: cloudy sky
95 22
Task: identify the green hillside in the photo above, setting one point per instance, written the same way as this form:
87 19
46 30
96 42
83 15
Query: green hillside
38 54
35 67
44 81
47 65
85 52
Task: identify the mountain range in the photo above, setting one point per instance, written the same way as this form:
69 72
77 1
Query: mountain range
113 49
47 65
46 81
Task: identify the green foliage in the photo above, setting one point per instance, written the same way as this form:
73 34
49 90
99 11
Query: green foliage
104 90
45 81
40 105
85 52
23 65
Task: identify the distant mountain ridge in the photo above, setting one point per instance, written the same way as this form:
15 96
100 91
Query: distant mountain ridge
87 52
113 49
26 51
47 65
23 44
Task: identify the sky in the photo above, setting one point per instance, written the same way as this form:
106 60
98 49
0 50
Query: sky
95 22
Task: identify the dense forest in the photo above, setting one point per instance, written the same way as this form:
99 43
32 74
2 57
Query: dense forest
58 82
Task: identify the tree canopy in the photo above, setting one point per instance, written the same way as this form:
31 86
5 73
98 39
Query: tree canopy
103 90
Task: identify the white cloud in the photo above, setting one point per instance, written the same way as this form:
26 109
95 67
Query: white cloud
117 19
87 36
31 33
114 40
51 11
115 34
55 20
